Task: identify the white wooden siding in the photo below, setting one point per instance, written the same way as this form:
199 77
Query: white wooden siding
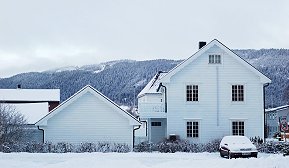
205 75
89 119
152 106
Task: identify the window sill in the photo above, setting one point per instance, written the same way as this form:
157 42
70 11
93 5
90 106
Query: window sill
192 102
238 102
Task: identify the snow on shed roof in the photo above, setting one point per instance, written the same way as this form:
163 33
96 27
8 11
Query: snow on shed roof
153 84
71 99
32 112
28 95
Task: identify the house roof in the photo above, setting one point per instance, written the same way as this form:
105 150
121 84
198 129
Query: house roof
88 88
176 69
29 95
277 108
32 112
152 86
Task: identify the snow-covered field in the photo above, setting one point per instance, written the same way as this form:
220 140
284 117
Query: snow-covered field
138 160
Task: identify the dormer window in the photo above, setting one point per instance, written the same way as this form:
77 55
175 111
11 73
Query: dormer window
214 59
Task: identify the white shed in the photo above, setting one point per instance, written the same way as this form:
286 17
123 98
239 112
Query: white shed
88 116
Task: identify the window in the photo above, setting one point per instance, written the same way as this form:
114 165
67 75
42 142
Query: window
214 59
192 129
237 92
238 128
192 93
156 124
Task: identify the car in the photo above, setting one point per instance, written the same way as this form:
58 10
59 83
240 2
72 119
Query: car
237 146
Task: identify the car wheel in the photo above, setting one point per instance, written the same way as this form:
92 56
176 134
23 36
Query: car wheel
229 155
221 154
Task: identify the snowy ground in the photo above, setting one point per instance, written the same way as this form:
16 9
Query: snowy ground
139 160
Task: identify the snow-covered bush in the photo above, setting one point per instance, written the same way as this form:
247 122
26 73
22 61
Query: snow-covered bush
167 146
64 147
144 147
120 148
103 147
212 146
273 147
87 147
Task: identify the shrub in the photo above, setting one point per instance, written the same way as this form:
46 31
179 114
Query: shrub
144 147
120 148
167 146
87 147
63 147
273 147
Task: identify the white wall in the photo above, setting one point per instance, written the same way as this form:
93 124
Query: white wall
89 119
215 94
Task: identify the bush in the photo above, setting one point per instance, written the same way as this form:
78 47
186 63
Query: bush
120 148
64 147
144 147
177 146
87 147
273 147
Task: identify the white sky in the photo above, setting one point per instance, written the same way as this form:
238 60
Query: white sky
37 35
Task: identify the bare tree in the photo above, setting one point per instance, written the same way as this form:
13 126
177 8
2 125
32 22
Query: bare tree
11 124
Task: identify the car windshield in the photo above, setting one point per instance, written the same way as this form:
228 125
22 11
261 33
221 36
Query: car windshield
236 140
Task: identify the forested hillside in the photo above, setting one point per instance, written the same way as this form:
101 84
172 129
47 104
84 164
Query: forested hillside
122 80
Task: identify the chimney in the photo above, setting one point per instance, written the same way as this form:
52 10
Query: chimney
202 44
18 86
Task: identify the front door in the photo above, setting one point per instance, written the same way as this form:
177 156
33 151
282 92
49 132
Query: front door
158 130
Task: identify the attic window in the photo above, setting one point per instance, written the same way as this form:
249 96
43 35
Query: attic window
214 59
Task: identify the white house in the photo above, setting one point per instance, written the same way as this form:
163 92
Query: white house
211 94
88 116
24 96
33 104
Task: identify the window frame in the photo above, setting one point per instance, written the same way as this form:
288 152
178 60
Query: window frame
238 129
238 93
192 93
215 59
193 129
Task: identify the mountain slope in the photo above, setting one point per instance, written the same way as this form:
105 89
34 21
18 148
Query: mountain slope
121 80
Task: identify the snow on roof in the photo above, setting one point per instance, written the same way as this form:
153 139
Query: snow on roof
32 112
264 79
7 95
71 99
153 84
276 108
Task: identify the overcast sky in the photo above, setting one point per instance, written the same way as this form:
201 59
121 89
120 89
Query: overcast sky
37 35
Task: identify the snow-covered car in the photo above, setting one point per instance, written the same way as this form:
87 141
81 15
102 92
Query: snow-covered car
237 146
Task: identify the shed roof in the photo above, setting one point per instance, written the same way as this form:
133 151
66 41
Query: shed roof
87 88
32 112
29 95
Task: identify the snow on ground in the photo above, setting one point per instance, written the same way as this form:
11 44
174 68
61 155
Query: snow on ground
139 160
